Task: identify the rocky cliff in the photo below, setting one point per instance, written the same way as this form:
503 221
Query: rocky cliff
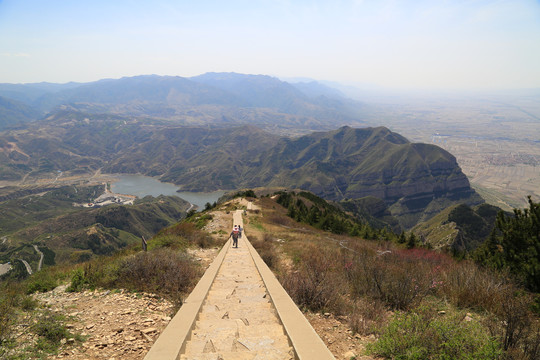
414 180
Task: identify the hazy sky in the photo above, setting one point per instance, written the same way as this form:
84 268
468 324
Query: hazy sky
392 43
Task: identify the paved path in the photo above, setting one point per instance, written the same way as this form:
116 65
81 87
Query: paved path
40 257
237 320
27 265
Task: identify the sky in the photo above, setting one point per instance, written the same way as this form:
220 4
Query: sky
425 44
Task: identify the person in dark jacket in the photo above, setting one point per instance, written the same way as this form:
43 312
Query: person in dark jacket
235 234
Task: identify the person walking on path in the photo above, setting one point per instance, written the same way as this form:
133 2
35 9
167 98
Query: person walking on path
235 234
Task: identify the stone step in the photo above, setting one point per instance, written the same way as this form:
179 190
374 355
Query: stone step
238 328
239 303
258 344
226 293
238 320
238 284
237 299
220 308
241 355
253 316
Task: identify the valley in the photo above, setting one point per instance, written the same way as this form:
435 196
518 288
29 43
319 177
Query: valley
56 225
493 135
394 161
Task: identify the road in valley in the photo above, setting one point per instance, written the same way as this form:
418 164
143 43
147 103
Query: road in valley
28 267
40 259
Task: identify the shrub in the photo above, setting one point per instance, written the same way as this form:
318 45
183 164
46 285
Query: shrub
28 303
8 301
99 272
51 328
204 241
51 331
316 284
80 256
202 220
281 220
246 193
78 281
266 250
189 233
515 245
365 316
172 242
425 335
209 206
466 285
514 324
395 278
170 274
41 281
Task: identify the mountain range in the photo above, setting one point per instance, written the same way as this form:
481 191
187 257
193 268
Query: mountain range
212 98
414 180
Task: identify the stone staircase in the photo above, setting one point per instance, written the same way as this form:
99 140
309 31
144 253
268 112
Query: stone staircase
237 319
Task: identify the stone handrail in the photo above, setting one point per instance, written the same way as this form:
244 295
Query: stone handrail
172 340
305 341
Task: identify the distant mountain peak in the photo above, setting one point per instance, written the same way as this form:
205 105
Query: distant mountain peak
222 97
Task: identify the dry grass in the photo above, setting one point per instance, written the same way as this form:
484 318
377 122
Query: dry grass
369 280
366 316
168 273
468 286
190 233
266 250
316 284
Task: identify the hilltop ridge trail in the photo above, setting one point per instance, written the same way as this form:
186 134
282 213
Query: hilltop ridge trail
238 320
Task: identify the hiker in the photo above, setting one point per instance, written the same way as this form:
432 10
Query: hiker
240 229
235 235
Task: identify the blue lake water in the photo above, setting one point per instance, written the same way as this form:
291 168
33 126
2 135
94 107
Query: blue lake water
142 186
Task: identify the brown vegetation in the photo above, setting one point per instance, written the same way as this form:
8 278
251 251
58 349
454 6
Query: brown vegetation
372 282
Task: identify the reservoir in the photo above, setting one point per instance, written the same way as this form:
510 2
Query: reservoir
142 186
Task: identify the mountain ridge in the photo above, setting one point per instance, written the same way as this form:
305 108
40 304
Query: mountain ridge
211 98
414 180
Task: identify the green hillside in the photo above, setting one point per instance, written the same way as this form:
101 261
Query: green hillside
458 228
371 210
73 233
415 181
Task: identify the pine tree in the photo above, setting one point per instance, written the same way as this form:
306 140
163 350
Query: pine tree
355 230
411 242
402 239
515 245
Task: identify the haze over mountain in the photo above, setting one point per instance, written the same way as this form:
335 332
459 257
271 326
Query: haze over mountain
14 112
211 98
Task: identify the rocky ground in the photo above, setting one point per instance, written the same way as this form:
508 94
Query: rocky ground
119 325
338 337
116 325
